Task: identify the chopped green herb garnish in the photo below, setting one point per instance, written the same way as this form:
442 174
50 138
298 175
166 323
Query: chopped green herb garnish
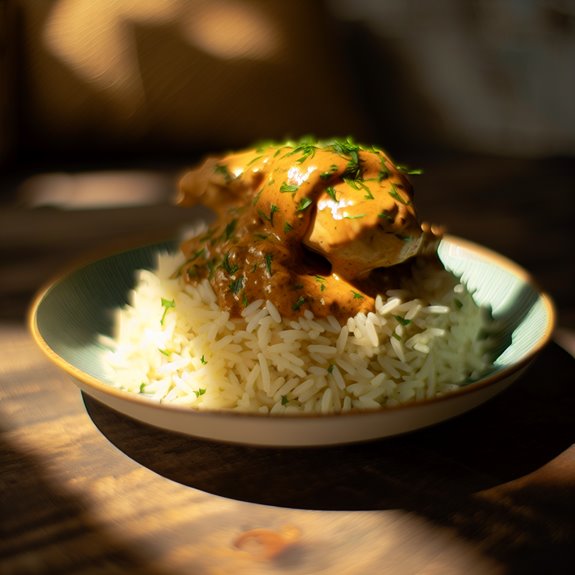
385 216
303 204
273 210
360 185
298 303
331 368
396 336
330 190
236 285
286 188
409 171
211 265
402 320
230 229
254 160
167 304
257 198
344 147
354 217
321 280
353 169
229 267
200 391
329 173
223 170
395 195
142 387
269 218
306 147
458 303
268 259
203 360
357 295
287 227
285 400
383 173
165 352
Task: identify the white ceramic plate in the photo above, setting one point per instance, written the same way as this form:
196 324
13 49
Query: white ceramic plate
67 316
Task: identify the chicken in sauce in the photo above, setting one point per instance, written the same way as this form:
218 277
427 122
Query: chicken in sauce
323 226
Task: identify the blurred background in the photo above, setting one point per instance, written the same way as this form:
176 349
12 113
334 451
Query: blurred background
104 104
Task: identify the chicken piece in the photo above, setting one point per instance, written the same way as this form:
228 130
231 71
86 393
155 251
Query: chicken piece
346 202
368 222
220 181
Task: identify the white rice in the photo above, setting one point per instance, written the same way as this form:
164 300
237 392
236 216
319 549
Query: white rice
173 344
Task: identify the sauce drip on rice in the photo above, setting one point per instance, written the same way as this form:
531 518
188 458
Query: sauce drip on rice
308 225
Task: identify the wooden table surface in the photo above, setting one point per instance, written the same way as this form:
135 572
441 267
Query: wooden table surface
86 490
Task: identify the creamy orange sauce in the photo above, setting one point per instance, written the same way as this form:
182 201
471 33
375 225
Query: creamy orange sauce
307 225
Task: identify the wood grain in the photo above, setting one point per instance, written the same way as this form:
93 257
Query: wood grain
91 491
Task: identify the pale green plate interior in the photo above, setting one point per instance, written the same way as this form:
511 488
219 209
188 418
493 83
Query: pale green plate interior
522 313
72 312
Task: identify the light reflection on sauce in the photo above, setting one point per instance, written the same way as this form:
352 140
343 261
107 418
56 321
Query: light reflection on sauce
323 226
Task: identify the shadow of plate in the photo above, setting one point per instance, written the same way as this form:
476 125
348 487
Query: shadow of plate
511 435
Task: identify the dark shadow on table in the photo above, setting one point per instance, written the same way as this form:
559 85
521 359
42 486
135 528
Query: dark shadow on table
47 529
472 473
510 436
456 473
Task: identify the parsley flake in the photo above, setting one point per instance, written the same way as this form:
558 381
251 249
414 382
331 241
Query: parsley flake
236 285
401 320
329 173
167 304
303 204
330 191
385 216
229 267
230 229
321 281
286 188
223 170
395 195
268 261
298 303
409 171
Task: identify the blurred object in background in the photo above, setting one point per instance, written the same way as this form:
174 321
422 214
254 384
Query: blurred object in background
128 77
7 88
87 81
487 76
